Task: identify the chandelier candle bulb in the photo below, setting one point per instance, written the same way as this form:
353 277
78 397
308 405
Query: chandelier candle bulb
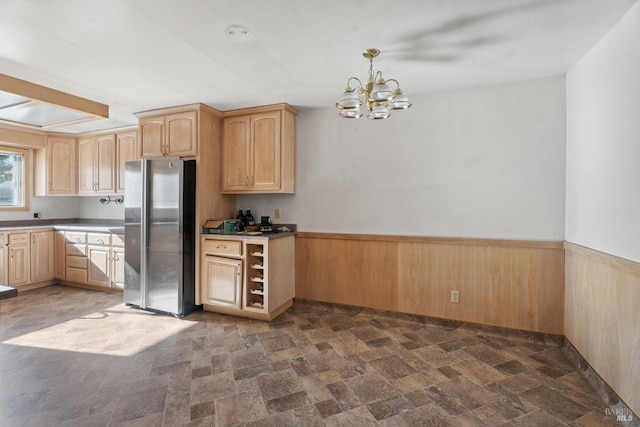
376 93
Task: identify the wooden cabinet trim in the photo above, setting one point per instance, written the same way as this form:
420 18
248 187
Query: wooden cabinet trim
539 244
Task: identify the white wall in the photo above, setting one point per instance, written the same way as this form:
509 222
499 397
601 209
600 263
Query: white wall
484 162
90 208
603 143
48 207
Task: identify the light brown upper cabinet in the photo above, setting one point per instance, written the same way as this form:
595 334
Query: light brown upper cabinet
126 150
259 150
55 168
96 165
170 135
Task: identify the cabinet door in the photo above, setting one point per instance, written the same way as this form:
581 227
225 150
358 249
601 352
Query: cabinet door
182 134
152 137
223 281
104 161
42 256
236 140
98 267
59 255
18 265
61 165
3 258
117 268
126 150
86 166
266 151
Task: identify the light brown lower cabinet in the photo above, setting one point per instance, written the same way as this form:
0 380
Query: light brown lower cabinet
3 258
99 264
19 257
249 277
42 256
117 267
94 259
59 254
223 281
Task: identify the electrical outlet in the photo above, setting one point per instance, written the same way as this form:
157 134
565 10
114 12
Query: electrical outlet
37 215
455 297
277 213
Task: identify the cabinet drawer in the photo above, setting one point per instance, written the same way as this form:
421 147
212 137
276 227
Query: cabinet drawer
117 240
18 238
76 249
77 262
98 239
76 237
76 275
222 247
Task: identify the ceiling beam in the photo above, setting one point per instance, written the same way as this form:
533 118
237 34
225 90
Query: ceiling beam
52 96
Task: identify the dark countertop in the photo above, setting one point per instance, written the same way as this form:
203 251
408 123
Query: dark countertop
235 236
68 227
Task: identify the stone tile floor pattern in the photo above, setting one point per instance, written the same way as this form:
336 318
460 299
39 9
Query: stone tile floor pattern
75 357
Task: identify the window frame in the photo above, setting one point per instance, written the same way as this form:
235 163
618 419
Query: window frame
26 154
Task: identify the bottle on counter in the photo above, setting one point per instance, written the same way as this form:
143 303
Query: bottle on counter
249 217
240 220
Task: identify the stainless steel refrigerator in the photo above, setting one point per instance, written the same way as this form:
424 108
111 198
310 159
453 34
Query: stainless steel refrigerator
160 235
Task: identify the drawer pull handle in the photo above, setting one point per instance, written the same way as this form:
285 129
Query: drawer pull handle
221 247
101 241
77 239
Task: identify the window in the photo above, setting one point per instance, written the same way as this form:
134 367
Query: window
14 178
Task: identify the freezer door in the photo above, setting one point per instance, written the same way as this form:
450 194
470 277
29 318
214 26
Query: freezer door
164 237
133 220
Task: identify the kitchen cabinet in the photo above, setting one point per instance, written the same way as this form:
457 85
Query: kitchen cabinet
117 268
99 259
96 165
59 254
223 281
126 150
4 242
170 135
259 150
251 277
19 257
95 259
76 256
55 167
42 256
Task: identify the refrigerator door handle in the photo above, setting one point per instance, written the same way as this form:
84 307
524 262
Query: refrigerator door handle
144 238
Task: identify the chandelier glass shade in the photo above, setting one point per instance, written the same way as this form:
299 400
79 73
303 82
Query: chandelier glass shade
376 94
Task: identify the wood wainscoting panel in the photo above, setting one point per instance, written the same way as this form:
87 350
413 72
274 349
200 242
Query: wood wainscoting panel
602 317
519 288
509 284
348 272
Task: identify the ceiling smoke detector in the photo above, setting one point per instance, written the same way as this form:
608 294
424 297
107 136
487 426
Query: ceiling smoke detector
238 32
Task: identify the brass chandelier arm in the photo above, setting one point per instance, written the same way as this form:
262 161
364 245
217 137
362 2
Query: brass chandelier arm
349 88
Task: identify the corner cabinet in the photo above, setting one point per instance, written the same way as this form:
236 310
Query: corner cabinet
55 167
249 277
170 135
259 150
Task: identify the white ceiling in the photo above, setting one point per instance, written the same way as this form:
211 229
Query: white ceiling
137 55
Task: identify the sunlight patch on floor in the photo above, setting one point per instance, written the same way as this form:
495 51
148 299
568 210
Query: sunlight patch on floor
108 332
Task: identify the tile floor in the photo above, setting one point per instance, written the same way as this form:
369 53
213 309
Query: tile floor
74 357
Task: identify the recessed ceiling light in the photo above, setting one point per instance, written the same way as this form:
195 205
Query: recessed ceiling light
238 32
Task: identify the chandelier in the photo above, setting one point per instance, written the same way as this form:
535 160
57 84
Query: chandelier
376 93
